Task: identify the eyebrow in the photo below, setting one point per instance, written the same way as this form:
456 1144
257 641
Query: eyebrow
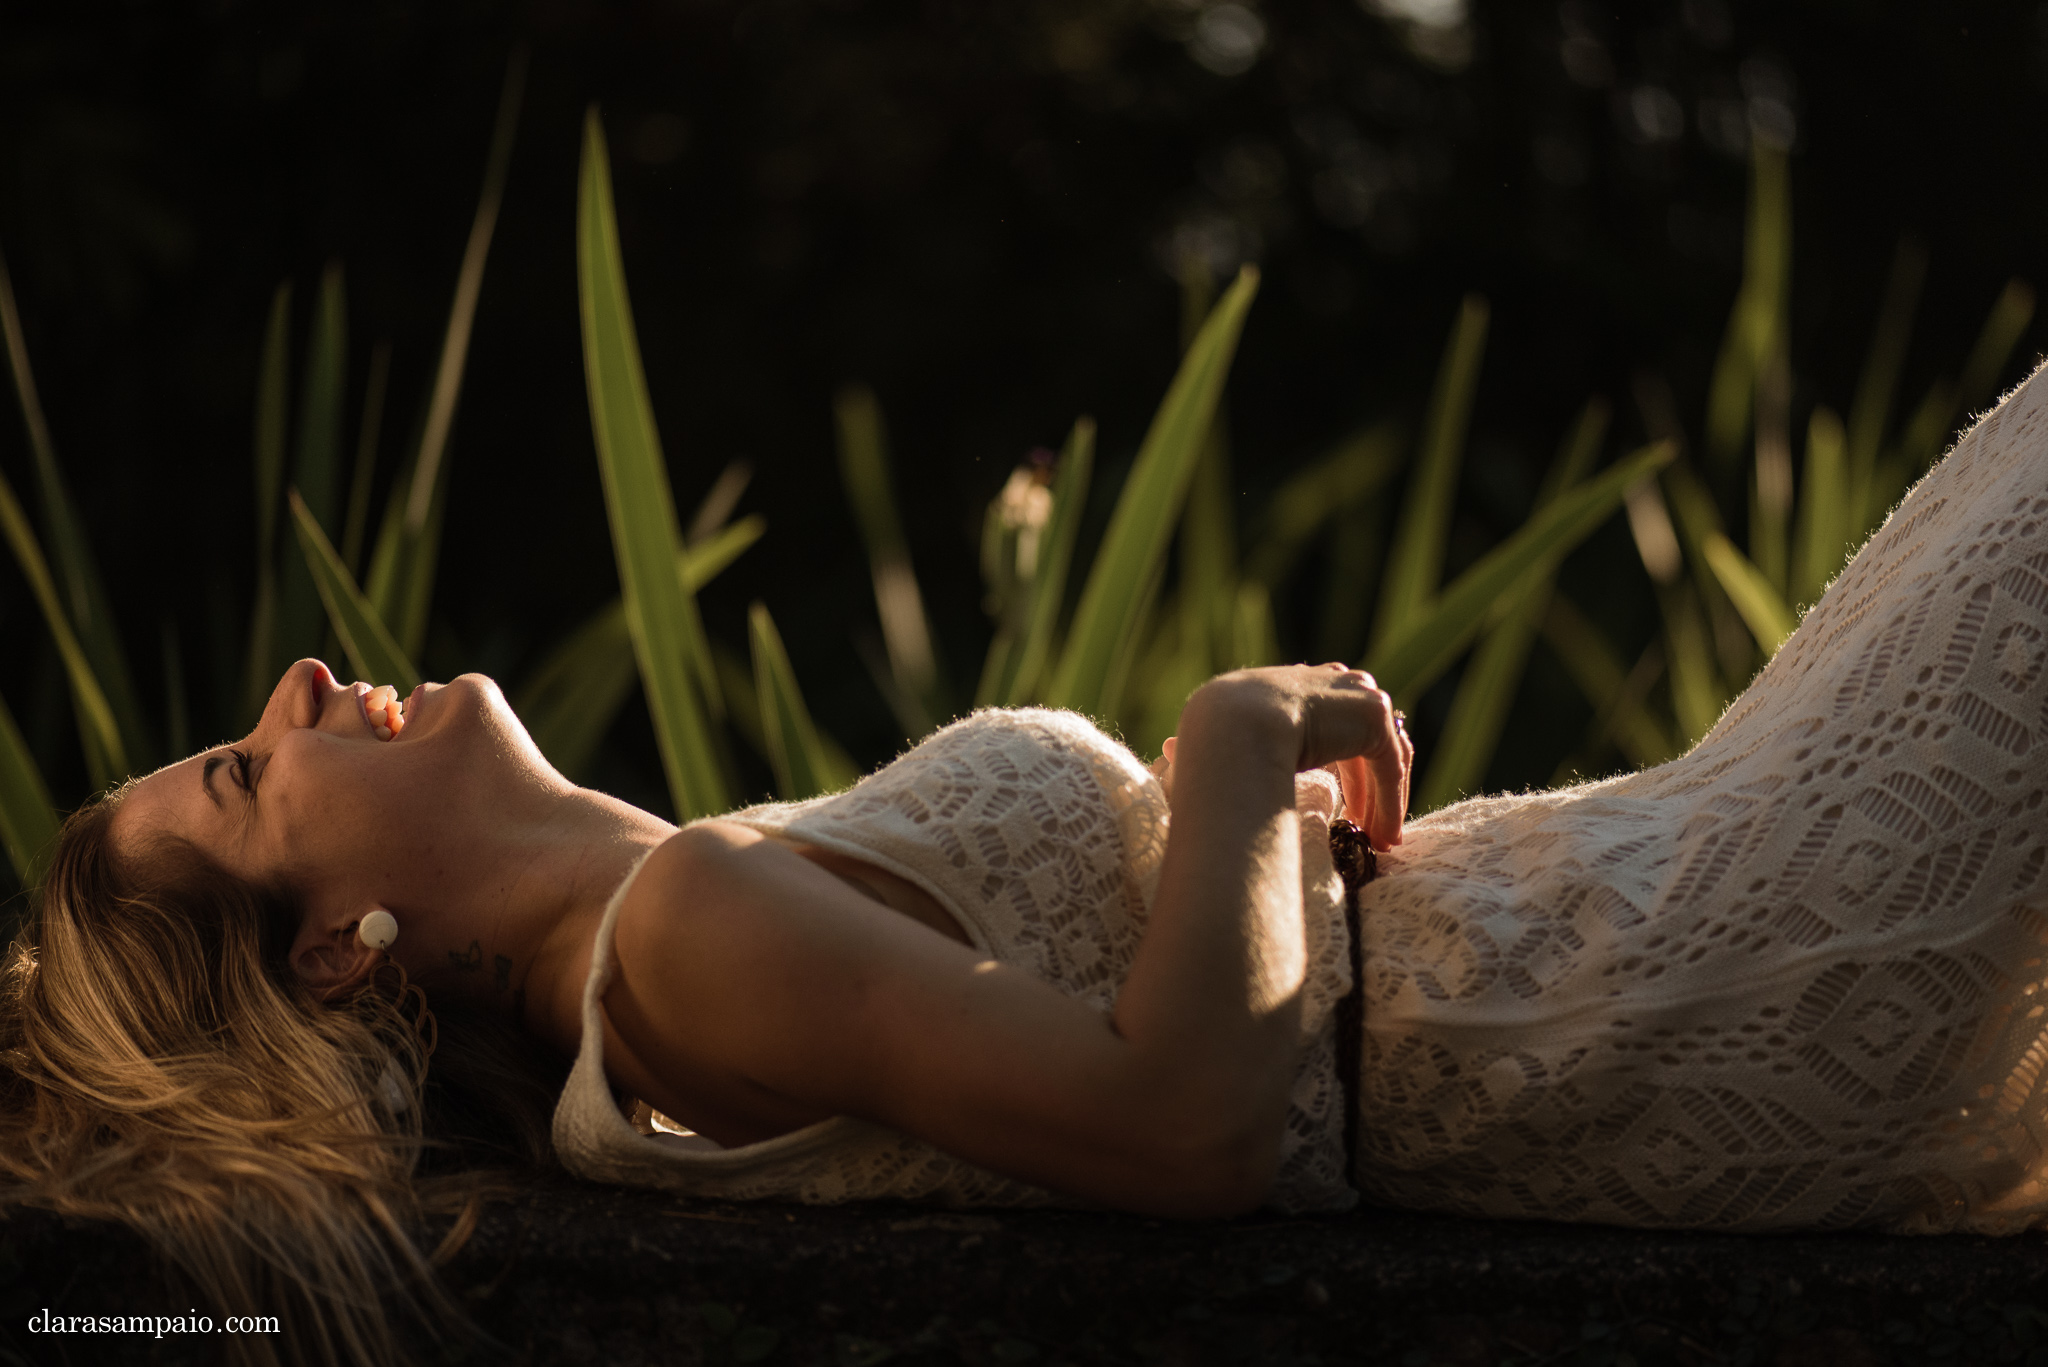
213 762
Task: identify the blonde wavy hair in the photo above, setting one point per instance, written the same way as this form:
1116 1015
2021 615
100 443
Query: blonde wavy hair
161 1065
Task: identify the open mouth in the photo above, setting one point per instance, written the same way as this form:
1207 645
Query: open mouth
384 711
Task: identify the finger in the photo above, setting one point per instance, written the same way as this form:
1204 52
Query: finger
1351 675
1356 781
1388 764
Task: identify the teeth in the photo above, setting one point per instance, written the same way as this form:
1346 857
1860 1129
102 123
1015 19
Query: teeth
385 711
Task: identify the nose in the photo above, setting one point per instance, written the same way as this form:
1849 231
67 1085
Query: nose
299 696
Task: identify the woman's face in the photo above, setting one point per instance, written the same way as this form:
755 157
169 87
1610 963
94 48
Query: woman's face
314 801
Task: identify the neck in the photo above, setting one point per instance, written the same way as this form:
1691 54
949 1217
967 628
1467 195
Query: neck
517 912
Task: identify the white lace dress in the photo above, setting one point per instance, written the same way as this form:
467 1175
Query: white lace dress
1797 978
1794 979
1043 838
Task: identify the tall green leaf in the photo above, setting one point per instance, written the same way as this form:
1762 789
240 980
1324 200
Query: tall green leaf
408 549
316 470
28 818
376 657
1412 661
273 380
1763 611
83 594
1697 697
106 761
1870 412
804 766
1932 422
1356 541
1415 563
645 535
918 692
1826 531
1310 498
1770 505
1618 706
1125 574
568 703
1756 323
2003 328
365 473
1016 664
1479 711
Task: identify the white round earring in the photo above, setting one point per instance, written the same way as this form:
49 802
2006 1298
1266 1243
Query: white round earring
378 930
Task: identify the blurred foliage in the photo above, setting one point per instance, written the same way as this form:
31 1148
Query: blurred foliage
970 227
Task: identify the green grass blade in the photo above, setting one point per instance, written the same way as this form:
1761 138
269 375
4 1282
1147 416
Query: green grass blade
1016 663
645 536
1412 661
906 631
1600 676
1479 710
1763 611
106 760
569 702
706 560
1415 563
2003 328
1160 679
1756 321
1824 538
469 282
1356 541
1932 423
28 818
1770 503
404 563
1254 640
82 592
1334 485
1925 434
803 766
273 382
358 520
719 501
1697 697
323 389
1127 565
301 625
1208 553
1870 411
273 416
371 648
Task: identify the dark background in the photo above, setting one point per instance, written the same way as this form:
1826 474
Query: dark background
975 208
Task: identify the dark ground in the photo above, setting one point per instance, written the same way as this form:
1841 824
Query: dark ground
588 1274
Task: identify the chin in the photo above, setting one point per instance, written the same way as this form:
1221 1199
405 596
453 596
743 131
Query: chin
476 699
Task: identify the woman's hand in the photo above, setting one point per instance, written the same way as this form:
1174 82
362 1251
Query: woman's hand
1339 719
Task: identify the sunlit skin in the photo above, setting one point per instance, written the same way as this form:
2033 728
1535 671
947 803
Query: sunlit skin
763 985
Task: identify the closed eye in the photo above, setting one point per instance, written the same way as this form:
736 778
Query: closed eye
245 774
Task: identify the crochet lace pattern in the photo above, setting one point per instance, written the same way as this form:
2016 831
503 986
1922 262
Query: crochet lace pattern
1044 838
1793 979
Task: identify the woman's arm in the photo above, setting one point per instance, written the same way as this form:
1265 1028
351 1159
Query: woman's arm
755 989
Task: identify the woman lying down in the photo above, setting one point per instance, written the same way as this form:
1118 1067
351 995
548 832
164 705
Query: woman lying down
1790 980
